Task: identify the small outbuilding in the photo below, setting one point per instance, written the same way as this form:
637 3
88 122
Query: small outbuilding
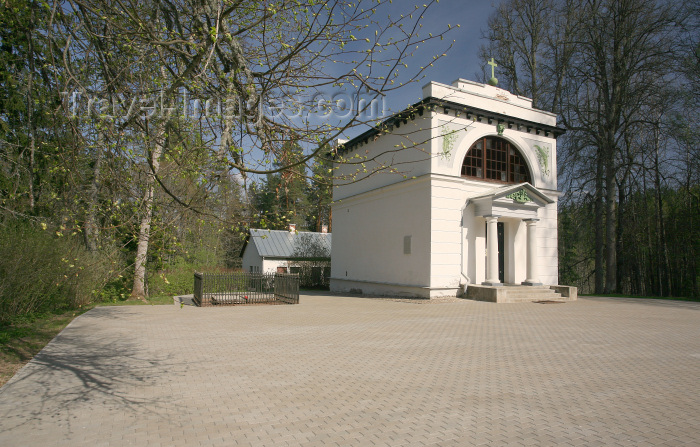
282 251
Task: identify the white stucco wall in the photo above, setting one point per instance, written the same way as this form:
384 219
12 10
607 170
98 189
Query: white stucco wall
448 197
368 240
487 97
449 255
547 236
270 265
251 257
466 133
365 167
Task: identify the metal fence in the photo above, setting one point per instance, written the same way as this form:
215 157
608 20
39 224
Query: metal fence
242 288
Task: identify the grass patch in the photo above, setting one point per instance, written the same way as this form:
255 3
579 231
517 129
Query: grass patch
152 301
619 295
23 337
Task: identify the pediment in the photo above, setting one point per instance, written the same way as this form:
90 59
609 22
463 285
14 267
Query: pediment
514 200
513 192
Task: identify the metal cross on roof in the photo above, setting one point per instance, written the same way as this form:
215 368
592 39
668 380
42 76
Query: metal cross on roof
493 81
493 65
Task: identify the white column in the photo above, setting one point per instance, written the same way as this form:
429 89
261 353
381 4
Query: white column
532 275
492 252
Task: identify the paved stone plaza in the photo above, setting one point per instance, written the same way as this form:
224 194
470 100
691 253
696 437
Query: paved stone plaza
356 371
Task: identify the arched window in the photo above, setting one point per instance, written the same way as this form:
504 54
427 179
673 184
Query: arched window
495 159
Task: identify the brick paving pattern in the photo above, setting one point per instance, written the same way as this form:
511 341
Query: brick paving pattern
353 371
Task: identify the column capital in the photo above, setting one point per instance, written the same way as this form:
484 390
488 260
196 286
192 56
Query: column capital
533 220
491 216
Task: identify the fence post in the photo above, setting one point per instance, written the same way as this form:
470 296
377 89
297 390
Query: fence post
287 288
198 288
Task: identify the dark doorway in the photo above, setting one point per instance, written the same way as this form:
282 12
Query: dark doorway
501 232
501 253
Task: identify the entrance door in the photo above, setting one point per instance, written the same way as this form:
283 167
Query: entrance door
501 250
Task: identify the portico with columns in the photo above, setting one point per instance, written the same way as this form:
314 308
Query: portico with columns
513 259
470 210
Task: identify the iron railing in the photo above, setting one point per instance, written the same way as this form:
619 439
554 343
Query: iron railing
240 288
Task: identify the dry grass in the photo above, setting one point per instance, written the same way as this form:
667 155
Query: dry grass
23 338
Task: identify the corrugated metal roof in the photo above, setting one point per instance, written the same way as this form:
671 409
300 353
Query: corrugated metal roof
283 244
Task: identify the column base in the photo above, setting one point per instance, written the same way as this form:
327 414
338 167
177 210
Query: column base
490 283
531 283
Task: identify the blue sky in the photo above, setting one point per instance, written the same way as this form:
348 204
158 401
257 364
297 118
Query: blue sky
462 59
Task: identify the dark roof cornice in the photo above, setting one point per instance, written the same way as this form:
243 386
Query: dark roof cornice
436 104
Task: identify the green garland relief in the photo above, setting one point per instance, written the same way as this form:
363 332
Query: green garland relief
543 158
519 196
448 140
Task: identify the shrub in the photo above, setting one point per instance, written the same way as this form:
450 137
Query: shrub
172 282
42 271
176 277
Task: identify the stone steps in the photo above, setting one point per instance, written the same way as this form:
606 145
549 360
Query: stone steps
519 294
532 293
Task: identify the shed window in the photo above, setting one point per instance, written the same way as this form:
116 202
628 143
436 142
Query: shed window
495 159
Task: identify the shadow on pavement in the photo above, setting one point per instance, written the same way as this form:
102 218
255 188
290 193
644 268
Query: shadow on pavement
81 369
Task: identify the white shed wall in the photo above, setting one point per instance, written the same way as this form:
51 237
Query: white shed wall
270 265
251 257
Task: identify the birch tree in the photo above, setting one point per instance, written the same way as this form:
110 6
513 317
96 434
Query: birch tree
229 67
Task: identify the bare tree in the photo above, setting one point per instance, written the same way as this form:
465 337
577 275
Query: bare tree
226 70
532 42
312 257
597 63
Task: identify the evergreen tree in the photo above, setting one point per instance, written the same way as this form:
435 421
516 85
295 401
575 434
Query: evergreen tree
281 198
320 194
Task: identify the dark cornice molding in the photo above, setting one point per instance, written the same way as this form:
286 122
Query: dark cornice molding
435 104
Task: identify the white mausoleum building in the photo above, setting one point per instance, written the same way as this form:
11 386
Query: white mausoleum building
460 189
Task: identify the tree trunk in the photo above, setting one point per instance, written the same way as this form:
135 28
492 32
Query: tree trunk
32 149
650 266
226 145
620 248
661 249
599 227
694 290
330 218
139 288
610 227
319 211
